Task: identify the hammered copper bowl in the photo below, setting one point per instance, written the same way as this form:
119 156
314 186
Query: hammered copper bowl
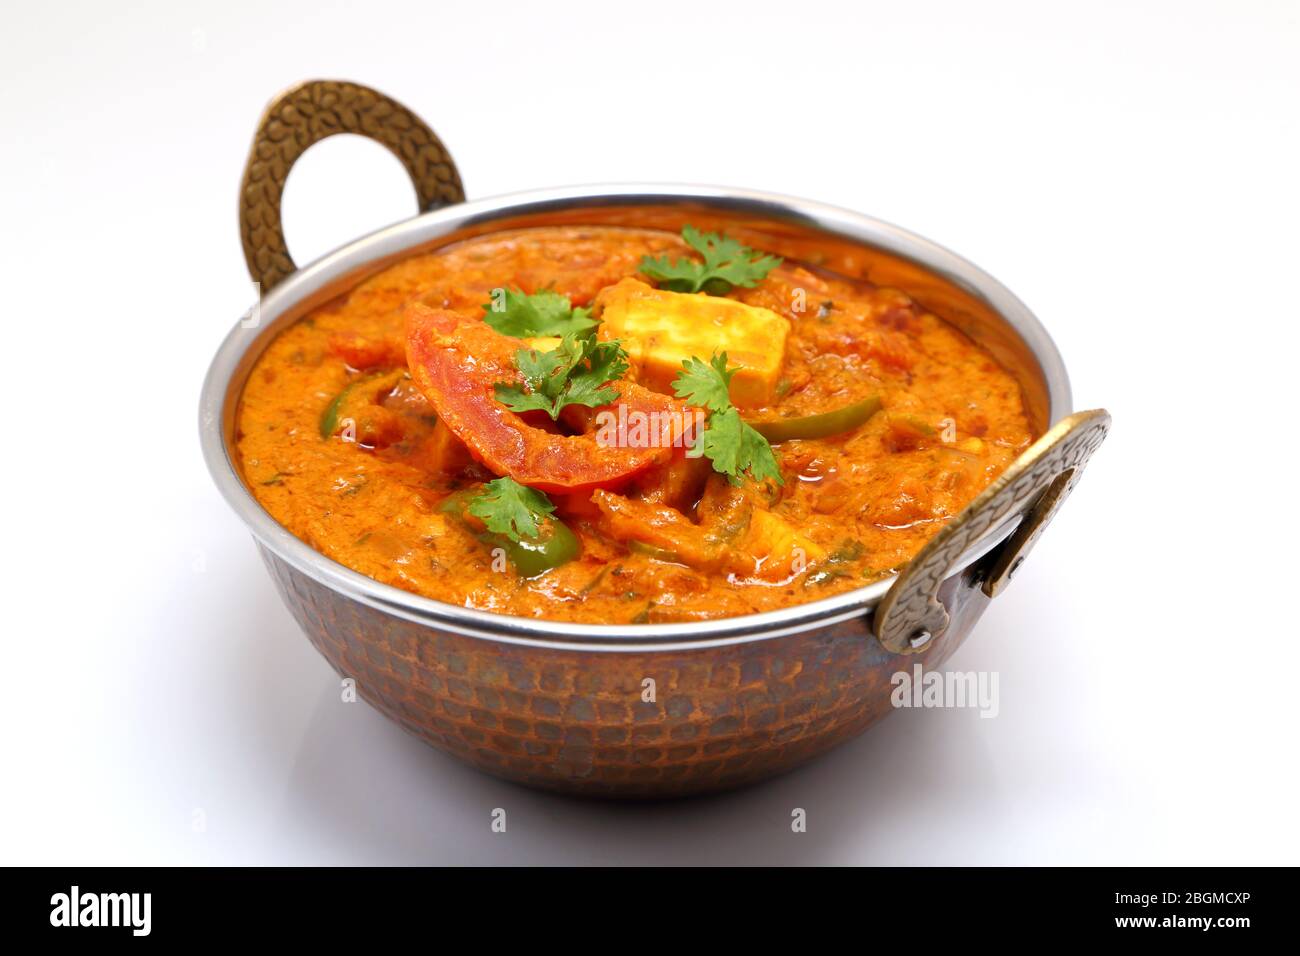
634 710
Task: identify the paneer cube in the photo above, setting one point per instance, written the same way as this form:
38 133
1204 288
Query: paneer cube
661 329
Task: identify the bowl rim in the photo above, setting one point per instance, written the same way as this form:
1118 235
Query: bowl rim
372 252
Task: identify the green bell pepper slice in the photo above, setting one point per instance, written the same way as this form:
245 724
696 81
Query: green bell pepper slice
556 545
819 426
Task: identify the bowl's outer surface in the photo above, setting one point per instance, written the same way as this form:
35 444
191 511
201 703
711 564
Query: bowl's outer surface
589 723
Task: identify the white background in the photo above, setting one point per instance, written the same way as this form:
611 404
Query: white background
1130 170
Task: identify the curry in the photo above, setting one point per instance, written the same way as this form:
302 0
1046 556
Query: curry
613 425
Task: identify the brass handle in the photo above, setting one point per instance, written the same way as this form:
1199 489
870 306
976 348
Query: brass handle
911 614
307 114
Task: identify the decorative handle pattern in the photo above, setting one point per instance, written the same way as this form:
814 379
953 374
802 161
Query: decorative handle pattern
305 115
911 614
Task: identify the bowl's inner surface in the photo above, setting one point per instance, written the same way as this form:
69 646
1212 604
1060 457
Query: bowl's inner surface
863 323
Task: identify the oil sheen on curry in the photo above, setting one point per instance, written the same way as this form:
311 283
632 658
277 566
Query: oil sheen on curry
615 425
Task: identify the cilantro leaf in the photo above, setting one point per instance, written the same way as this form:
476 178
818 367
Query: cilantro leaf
757 456
512 509
606 362
539 368
727 263
736 449
706 386
517 400
733 446
576 372
544 313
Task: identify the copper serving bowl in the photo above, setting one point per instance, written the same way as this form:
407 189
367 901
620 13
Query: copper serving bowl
634 709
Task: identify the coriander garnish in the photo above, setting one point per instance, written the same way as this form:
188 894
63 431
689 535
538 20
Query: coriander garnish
576 372
727 263
733 446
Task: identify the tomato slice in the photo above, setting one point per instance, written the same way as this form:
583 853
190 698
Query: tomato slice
455 361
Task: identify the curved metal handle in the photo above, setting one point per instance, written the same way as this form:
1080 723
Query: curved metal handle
305 115
911 614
